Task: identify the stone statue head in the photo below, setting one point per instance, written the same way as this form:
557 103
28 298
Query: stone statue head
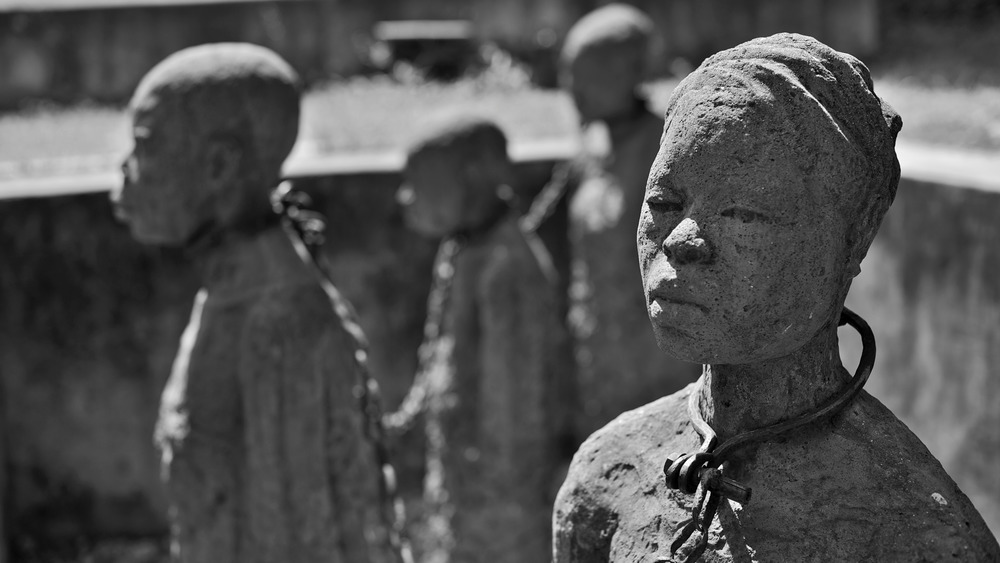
457 175
212 126
604 59
776 166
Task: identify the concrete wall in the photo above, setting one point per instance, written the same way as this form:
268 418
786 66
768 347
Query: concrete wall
89 324
100 53
930 288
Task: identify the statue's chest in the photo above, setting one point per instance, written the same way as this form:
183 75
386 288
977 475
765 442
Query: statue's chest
651 523
649 519
204 384
799 511
218 351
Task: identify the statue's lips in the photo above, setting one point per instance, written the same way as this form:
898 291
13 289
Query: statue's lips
672 311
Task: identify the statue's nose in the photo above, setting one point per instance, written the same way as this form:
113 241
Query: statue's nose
686 245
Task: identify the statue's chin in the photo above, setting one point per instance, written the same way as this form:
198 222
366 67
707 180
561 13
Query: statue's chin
712 349
151 237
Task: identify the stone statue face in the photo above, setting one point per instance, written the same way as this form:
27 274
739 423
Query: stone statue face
433 193
742 254
162 197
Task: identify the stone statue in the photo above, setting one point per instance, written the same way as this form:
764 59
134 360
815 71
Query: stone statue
776 166
618 364
269 424
486 380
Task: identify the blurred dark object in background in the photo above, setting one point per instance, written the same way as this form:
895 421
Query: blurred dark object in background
437 49
72 50
968 11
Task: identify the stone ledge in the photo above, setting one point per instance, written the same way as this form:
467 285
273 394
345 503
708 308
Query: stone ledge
936 164
920 162
302 164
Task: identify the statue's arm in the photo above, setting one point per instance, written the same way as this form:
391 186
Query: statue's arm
582 522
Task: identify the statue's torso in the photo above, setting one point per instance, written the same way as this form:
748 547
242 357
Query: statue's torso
861 488
264 441
491 449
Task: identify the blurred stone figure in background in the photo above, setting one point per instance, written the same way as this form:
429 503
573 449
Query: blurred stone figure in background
619 367
486 381
269 424
776 167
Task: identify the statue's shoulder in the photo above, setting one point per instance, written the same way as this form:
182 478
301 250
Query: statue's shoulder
614 487
661 424
300 314
624 457
924 509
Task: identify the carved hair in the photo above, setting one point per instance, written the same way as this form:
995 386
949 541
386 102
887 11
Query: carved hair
467 138
801 79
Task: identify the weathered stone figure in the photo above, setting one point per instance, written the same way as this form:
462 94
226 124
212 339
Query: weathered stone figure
269 423
776 166
619 366
487 382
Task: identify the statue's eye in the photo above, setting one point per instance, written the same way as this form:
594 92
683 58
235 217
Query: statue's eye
745 215
143 139
665 203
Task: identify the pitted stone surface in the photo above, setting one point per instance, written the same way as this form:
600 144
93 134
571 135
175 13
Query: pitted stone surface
774 171
859 489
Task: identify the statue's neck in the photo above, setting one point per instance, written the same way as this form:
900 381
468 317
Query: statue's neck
242 261
735 398
621 128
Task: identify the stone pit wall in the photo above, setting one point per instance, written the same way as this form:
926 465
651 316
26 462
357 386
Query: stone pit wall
930 288
89 323
68 50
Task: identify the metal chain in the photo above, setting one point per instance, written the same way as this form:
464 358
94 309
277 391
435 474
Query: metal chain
306 229
415 402
548 198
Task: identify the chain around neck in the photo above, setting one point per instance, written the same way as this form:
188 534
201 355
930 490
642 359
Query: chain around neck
701 471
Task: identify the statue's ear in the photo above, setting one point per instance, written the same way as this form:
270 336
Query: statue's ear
223 160
853 267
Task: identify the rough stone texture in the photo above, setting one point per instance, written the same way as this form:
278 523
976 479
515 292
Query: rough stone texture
860 489
775 169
